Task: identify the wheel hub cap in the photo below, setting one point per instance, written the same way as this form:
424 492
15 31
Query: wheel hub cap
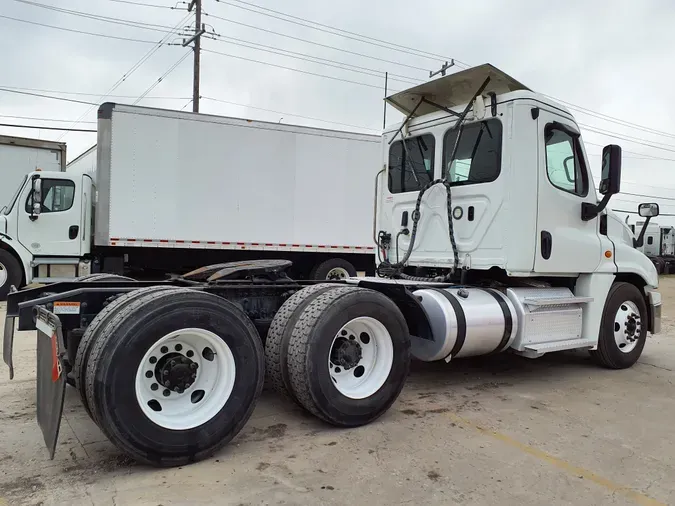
627 327
346 353
3 275
176 372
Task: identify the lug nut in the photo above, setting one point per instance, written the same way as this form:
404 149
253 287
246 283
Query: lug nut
165 372
167 383
193 376
178 390
172 363
194 366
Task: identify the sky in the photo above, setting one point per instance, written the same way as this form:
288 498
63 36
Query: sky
606 57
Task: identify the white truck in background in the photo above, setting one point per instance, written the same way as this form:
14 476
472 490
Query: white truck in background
658 244
163 192
21 155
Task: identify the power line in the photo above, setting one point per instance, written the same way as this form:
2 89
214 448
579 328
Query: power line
82 94
612 119
78 31
98 17
316 43
634 153
629 138
40 127
312 59
141 4
647 196
48 96
294 69
33 118
161 78
133 69
289 114
332 30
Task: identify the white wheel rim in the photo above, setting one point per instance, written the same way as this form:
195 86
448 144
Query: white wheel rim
210 389
361 357
3 275
627 326
337 273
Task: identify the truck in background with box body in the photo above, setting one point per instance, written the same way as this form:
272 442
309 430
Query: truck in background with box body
163 192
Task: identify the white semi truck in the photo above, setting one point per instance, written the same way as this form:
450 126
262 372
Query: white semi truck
21 155
658 244
490 239
166 191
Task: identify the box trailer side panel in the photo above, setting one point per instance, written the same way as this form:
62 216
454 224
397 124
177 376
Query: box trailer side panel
182 177
19 156
85 163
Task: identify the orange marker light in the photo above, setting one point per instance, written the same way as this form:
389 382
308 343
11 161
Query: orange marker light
608 254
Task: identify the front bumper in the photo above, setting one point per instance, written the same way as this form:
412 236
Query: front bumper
654 299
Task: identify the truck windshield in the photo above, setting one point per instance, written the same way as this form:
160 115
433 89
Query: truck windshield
8 208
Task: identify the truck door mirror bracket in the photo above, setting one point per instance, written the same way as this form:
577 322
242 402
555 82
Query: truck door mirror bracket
610 181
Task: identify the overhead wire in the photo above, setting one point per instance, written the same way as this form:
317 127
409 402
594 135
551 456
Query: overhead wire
83 32
43 127
33 118
98 17
134 67
343 33
142 4
82 94
47 96
162 77
315 43
312 59
295 70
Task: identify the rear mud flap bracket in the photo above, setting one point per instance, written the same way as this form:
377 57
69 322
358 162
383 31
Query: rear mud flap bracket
51 380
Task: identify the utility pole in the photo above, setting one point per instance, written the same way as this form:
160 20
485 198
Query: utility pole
196 38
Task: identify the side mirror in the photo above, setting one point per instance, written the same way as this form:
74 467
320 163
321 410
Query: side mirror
610 180
36 198
648 210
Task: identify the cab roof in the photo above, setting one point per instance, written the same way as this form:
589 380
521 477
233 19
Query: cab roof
454 90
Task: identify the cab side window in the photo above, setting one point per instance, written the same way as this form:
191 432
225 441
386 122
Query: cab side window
411 165
57 195
564 163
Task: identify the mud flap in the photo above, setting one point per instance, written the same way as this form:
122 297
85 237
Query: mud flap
8 344
51 382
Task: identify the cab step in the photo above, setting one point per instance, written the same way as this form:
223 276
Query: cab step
538 349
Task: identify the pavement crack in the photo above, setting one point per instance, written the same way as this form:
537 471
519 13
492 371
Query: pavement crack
656 366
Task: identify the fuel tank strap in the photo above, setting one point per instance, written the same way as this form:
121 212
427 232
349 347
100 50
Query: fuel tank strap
508 320
461 321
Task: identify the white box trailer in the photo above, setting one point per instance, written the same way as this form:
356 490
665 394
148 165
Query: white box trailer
21 155
163 192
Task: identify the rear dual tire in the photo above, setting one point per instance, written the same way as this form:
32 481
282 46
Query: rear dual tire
347 354
159 332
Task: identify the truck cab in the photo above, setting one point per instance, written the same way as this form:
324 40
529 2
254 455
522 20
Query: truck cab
487 181
47 236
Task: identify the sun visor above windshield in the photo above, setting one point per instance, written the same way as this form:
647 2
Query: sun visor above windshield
454 90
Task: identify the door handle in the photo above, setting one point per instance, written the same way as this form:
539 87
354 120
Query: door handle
546 244
73 231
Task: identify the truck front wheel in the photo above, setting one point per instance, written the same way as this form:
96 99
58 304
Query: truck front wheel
174 376
10 273
623 332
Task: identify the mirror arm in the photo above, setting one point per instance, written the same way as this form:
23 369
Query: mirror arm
590 211
637 243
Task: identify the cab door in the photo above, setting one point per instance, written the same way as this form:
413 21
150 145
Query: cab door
57 229
565 243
